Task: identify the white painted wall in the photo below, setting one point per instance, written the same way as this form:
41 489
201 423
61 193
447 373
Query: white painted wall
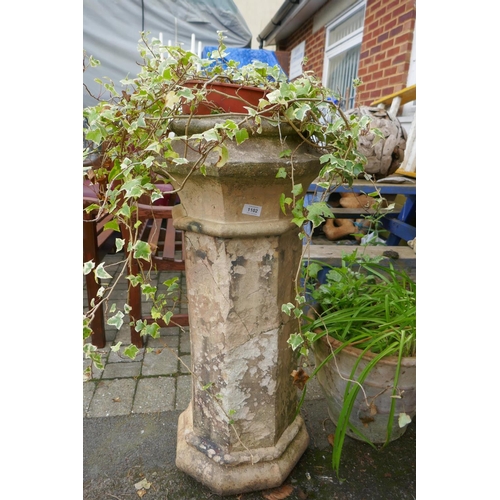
257 14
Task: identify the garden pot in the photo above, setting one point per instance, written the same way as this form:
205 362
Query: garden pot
225 97
240 432
371 421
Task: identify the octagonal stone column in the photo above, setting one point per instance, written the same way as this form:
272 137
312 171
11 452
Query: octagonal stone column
240 432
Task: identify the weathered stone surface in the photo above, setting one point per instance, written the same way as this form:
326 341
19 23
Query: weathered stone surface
239 432
238 334
257 470
384 156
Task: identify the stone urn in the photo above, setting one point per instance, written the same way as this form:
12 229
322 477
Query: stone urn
383 156
240 432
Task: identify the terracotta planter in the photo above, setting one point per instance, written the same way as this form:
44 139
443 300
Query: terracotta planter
242 253
225 98
378 387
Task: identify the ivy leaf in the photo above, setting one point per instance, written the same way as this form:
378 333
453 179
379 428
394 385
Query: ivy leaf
313 269
301 111
125 210
132 188
131 351
316 212
101 273
167 317
241 135
119 242
295 341
116 320
223 156
88 266
116 347
87 331
153 329
287 308
142 250
297 189
404 419
284 201
281 173
211 135
112 224
134 280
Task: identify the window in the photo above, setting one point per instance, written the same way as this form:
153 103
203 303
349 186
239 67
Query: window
343 46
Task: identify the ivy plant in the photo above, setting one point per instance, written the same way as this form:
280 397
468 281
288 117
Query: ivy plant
130 148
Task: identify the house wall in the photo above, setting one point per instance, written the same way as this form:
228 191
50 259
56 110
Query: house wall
314 50
385 50
257 14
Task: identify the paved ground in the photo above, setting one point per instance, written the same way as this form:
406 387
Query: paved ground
130 414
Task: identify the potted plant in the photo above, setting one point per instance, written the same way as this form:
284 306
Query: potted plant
157 130
363 336
131 146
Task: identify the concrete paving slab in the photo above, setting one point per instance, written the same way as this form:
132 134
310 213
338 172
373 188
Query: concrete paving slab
183 392
161 361
88 392
154 395
122 370
112 398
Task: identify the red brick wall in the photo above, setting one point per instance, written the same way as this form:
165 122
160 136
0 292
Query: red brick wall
315 47
386 48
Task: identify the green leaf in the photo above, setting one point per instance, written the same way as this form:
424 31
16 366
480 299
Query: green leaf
241 135
153 329
142 250
88 266
133 188
101 273
119 242
313 269
116 347
297 189
131 351
112 224
211 135
167 317
287 308
223 155
135 280
295 340
116 320
281 174
284 201
404 419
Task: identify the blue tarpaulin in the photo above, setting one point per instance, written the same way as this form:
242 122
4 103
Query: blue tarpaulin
246 56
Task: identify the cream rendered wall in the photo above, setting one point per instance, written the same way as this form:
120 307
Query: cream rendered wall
257 14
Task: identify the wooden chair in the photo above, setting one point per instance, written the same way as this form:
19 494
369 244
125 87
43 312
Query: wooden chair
97 241
167 246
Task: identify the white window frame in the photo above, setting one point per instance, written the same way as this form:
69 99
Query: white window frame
348 42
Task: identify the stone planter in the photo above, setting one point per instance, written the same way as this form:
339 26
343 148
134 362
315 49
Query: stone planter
378 388
240 432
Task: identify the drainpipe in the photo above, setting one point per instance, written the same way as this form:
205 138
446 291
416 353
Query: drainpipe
276 21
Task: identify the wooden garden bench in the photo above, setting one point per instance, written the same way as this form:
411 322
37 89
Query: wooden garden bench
167 246
97 241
